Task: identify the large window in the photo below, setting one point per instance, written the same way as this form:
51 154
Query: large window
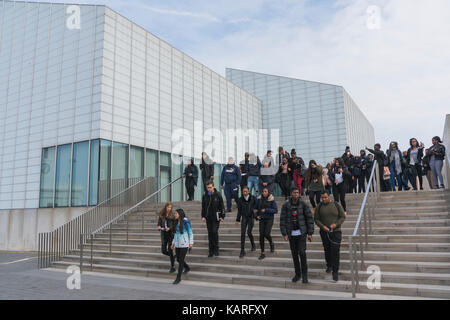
93 172
63 175
177 171
119 174
152 167
47 177
165 166
136 162
80 173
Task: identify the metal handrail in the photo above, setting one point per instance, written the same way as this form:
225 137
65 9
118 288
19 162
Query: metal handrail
55 244
367 212
90 236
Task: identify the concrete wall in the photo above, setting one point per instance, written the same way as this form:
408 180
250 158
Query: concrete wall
19 228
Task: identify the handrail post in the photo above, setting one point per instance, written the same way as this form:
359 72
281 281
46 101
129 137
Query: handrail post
365 227
92 245
127 231
81 253
352 265
110 239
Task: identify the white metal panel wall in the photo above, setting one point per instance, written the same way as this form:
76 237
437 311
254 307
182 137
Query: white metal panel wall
50 83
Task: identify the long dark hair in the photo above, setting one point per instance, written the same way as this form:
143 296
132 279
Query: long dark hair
181 216
411 140
163 213
308 174
264 199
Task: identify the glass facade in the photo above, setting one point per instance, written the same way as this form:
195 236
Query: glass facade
62 181
94 172
80 175
47 177
136 162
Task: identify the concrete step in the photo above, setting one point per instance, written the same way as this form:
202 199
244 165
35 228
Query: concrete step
434 291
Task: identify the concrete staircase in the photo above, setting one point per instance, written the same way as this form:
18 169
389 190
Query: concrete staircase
410 243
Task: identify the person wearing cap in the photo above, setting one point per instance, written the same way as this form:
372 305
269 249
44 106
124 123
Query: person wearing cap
229 181
437 155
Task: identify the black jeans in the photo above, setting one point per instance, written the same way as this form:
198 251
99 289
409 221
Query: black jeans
285 184
247 226
265 227
181 255
213 234
190 187
331 245
339 194
298 248
166 243
362 182
419 174
312 195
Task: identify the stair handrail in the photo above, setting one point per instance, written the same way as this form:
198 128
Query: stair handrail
366 214
64 239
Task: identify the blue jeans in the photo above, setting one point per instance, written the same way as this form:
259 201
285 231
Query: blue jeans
394 176
436 170
231 191
253 182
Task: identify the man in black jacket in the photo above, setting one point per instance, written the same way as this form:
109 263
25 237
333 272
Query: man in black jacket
380 157
348 159
212 214
245 213
296 224
207 168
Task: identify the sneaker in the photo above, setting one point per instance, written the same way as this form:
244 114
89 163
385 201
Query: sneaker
328 270
242 254
177 281
262 256
216 253
186 270
253 247
295 278
442 186
172 270
272 247
335 277
305 279
228 210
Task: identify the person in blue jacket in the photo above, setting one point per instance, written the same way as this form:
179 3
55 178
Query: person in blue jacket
183 240
264 211
231 177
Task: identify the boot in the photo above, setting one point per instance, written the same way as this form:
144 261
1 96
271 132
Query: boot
177 281
272 247
296 278
172 269
253 247
242 254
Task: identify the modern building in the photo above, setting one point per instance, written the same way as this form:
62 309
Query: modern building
319 120
88 104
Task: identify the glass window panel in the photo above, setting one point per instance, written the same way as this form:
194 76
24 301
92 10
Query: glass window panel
94 172
104 185
47 177
80 173
177 171
165 175
151 167
136 162
119 175
63 175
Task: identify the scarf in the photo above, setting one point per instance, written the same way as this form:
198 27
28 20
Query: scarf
396 157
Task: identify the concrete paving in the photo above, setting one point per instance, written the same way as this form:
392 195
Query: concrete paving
21 280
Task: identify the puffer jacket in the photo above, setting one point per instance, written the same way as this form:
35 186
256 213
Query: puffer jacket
245 208
305 218
270 209
183 240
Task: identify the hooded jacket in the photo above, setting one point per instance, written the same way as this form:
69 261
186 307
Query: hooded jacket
270 207
231 174
183 240
207 169
194 170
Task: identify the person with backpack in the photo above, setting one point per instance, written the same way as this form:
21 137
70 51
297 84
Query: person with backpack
437 156
329 217
213 214
246 204
314 182
182 241
191 176
297 225
264 211
229 181
166 225
207 168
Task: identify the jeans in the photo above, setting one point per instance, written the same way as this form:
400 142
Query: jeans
253 182
394 176
181 255
331 245
190 187
166 243
247 226
265 227
412 177
285 184
231 191
213 234
298 248
419 171
436 170
312 195
362 182
339 194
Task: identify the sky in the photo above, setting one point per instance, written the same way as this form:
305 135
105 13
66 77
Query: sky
392 56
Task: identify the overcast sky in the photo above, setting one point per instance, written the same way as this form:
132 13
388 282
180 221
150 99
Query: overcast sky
398 74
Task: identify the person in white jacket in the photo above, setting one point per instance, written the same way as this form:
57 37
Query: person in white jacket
182 241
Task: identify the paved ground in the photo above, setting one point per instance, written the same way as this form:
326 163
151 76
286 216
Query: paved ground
20 279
